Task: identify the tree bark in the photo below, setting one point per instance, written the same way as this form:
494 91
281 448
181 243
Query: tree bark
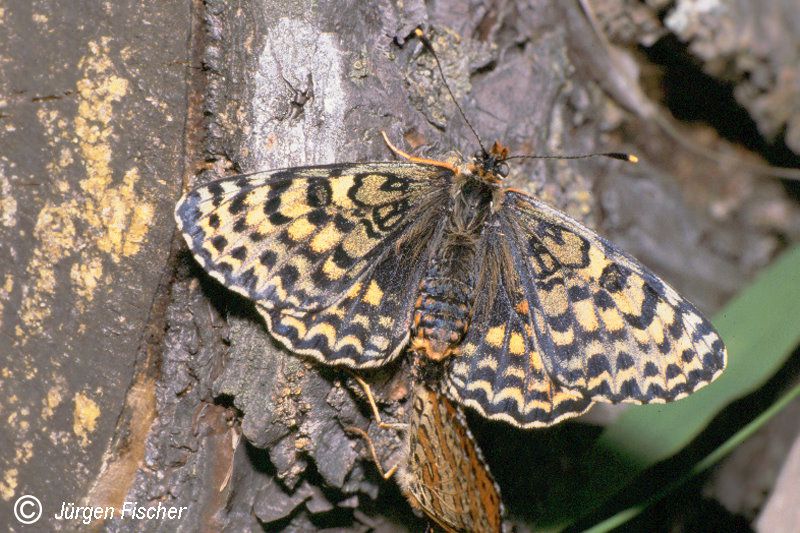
130 375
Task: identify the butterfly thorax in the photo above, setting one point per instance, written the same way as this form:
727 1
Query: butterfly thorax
443 305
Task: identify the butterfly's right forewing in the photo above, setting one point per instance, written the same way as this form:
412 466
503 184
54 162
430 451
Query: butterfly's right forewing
567 319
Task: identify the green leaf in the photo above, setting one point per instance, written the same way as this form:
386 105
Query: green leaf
761 328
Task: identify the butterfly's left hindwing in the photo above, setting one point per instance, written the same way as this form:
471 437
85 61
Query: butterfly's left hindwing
327 253
569 320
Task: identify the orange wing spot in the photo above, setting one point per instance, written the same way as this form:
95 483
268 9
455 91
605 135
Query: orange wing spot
326 239
612 319
516 344
536 361
586 315
331 270
495 335
300 229
374 294
522 307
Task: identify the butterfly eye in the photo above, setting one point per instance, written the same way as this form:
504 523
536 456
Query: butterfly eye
502 169
479 155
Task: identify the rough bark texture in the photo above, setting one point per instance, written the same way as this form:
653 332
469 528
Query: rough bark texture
130 375
92 108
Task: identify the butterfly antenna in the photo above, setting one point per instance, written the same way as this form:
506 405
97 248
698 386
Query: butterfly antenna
630 158
427 44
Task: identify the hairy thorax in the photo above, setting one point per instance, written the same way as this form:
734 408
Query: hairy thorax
442 310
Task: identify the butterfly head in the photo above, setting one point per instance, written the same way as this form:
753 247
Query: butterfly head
490 166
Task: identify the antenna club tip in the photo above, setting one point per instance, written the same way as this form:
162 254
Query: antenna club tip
622 156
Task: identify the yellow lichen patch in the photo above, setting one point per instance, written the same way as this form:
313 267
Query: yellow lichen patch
124 217
374 294
55 231
55 237
85 277
8 485
5 292
53 400
110 218
121 217
8 204
495 335
24 452
84 418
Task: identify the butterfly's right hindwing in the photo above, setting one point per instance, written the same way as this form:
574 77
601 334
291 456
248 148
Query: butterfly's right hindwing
569 319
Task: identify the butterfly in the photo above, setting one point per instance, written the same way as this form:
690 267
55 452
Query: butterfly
528 316
441 471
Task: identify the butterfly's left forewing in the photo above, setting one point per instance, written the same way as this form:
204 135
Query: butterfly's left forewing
572 320
327 253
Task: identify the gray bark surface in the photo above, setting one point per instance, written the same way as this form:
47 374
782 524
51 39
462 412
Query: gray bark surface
129 375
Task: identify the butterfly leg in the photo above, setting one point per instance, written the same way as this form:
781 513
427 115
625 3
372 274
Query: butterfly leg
374 406
421 160
371 446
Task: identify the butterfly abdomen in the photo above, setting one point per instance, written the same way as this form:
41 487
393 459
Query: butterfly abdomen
441 316
443 308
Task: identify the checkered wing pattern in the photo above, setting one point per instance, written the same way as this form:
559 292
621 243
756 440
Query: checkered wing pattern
444 473
327 253
563 319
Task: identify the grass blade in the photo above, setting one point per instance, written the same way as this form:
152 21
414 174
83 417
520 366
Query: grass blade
761 328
